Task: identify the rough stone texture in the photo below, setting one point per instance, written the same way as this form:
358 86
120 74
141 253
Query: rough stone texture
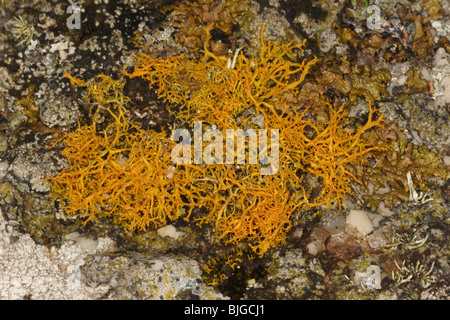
359 221
31 271
296 276
46 255
142 277
31 165
81 269
318 238
56 108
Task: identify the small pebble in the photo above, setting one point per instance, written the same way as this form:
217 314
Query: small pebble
359 221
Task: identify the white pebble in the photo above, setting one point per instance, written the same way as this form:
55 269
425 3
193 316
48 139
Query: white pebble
169 231
359 222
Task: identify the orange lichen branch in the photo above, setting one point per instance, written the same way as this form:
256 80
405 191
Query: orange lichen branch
212 91
74 81
121 171
244 207
334 148
124 178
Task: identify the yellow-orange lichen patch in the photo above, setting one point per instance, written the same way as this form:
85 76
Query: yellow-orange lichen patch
243 206
120 170
121 173
216 89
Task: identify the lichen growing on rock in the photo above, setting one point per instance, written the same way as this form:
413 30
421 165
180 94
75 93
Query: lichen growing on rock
216 89
231 202
191 17
120 170
387 178
123 172
370 85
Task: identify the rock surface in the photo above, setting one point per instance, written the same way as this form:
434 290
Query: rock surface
397 251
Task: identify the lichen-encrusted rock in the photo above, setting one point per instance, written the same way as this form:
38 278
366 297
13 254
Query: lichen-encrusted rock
146 277
56 108
32 271
276 25
31 164
79 267
296 277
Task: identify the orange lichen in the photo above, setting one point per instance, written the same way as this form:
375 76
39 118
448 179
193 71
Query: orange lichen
243 206
120 170
214 91
122 174
327 150
74 81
